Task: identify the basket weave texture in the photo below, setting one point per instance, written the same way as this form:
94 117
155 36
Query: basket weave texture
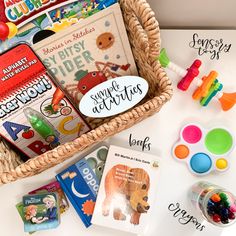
144 35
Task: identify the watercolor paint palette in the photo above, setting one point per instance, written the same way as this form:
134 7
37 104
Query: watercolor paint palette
204 150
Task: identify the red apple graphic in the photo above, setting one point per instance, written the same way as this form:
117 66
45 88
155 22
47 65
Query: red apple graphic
28 134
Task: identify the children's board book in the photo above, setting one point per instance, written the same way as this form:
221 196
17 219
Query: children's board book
54 187
49 188
41 212
35 114
80 182
89 53
38 19
127 191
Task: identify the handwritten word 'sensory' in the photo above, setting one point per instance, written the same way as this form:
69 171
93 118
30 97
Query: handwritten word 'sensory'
213 47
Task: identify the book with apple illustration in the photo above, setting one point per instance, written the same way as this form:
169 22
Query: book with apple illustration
80 182
36 115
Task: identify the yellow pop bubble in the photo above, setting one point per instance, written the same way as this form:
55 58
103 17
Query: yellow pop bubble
221 164
13 30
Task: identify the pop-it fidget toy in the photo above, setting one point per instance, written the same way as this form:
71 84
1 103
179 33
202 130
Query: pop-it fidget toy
204 150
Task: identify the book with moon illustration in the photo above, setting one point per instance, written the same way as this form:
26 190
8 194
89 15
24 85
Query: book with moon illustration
89 52
80 182
127 191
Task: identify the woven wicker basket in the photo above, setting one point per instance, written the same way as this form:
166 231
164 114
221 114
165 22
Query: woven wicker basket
144 35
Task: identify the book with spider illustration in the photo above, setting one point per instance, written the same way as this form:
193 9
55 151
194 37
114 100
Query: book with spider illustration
89 53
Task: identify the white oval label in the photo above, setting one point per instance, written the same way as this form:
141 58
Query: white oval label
113 96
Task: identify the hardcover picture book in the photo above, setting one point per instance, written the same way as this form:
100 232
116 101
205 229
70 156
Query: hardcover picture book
127 191
80 182
36 116
89 53
41 212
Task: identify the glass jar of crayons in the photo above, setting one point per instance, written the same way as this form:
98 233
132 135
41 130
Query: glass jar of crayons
217 205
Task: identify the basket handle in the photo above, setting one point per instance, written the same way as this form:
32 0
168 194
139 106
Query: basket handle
146 18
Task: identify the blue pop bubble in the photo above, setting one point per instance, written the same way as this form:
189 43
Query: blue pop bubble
201 163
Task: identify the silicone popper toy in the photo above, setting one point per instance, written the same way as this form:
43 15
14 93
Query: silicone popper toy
204 150
207 88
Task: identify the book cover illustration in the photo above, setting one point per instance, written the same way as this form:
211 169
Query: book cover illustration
80 182
35 114
41 212
54 187
36 19
89 53
127 190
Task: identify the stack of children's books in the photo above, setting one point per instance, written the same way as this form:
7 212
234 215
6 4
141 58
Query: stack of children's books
69 48
41 208
124 197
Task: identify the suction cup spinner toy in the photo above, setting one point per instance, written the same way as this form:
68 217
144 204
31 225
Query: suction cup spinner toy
204 150
208 87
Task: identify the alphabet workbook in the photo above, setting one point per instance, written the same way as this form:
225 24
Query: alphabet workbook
35 114
89 52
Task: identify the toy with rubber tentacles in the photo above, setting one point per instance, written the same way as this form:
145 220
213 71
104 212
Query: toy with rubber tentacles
208 87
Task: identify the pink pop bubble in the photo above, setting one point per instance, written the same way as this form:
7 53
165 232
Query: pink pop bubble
192 134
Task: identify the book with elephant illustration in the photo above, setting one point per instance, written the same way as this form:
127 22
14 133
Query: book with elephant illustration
81 181
127 191
89 52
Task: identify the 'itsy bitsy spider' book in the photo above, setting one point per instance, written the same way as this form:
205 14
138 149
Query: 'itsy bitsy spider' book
89 52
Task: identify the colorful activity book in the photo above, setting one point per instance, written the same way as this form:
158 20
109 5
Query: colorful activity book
54 187
40 19
127 191
80 182
36 116
89 53
40 212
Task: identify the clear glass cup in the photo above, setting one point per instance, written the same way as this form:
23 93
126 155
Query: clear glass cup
216 204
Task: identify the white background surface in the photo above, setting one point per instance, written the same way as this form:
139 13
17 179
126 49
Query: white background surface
162 128
195 13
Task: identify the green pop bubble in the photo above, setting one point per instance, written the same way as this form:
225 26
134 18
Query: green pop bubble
219 141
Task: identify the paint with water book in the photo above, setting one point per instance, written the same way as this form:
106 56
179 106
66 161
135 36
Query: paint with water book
36 115
80 182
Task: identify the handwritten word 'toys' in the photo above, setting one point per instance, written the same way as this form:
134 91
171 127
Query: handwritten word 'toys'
113 96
